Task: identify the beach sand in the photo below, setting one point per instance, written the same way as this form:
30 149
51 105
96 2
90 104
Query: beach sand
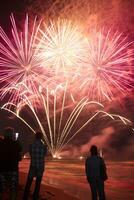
46 192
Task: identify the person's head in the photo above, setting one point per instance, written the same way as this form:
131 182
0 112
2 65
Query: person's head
94 150
38 135
8 132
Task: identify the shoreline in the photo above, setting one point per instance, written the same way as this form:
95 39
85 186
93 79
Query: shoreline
69 177
46 191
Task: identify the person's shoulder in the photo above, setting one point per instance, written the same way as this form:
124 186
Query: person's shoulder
44 146
101 159
43 143
88 158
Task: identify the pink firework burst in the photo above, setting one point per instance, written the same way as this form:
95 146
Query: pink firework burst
18 57
108 68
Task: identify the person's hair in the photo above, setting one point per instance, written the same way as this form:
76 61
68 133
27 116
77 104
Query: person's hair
94 150
38 135
8 132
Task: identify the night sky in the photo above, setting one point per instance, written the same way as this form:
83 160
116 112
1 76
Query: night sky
120 13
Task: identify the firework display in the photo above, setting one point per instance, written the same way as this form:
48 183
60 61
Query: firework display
59 71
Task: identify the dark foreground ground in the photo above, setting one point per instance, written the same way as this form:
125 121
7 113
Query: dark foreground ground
46 192
65 180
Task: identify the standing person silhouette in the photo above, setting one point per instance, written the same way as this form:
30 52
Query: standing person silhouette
96 174
10 155
38 151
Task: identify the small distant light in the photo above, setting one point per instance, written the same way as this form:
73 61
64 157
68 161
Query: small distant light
81 157
54 156
25 156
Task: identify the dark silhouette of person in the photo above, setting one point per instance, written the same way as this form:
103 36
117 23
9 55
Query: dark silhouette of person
10 155
38 151
96 174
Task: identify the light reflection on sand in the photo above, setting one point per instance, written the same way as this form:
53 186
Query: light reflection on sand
69 175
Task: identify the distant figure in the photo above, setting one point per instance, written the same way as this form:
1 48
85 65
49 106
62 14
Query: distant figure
10 155
96 173
38 151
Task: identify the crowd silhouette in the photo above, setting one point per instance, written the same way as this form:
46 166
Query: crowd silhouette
11 154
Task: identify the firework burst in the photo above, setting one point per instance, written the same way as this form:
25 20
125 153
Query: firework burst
18 57
107 70
62 46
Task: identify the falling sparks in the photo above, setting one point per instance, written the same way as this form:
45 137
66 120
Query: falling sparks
56 117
